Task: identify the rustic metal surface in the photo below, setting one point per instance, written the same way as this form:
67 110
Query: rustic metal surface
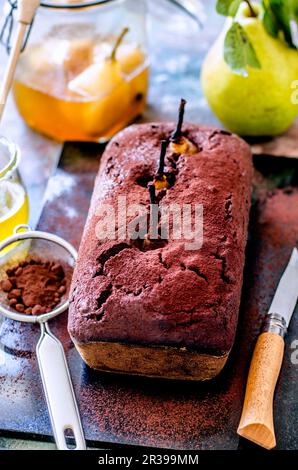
154 412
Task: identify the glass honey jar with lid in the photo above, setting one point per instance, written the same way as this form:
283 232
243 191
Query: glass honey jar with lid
83 75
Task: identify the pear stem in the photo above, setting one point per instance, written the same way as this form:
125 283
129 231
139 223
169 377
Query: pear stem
118 42
152 196
251 9
164 145
177 133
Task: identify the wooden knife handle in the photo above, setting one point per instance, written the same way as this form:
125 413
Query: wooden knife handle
256 423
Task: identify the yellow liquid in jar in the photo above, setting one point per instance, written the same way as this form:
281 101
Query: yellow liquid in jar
48 105
17 213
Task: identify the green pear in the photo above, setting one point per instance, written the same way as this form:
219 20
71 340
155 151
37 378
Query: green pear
260 104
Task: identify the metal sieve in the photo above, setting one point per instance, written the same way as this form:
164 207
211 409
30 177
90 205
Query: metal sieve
55 375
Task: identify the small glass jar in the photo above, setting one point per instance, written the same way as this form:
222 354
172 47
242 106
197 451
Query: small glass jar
84 72
14 208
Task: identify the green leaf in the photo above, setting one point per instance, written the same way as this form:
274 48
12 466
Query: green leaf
269 20
228 7
280 9
270 24
293 7
234 7
284 15
239 52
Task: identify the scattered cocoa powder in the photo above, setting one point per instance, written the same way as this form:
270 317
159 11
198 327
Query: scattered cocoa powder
35 286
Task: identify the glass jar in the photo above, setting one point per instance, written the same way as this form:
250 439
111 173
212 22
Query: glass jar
14 209
84 72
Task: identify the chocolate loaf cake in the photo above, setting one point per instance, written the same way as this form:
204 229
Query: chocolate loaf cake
156 307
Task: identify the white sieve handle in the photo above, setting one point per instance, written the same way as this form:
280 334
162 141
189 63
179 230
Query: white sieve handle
60 397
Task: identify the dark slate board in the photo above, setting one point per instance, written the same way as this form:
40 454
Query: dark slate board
149 412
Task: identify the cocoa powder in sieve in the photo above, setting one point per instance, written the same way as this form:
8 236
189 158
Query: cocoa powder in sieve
35 286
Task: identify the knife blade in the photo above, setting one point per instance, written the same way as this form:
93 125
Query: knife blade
286 295
256 423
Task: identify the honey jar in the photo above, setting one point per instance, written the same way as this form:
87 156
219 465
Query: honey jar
84 72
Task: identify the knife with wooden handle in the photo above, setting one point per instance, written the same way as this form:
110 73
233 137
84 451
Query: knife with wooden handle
256 423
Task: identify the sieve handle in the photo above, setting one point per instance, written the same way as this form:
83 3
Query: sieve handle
60 397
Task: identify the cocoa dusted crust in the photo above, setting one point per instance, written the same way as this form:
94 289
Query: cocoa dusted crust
166 298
